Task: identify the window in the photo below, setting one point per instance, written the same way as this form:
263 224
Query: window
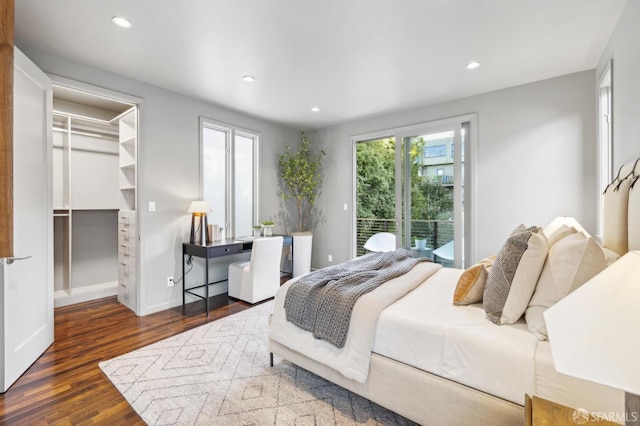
229 176
605 139
435 151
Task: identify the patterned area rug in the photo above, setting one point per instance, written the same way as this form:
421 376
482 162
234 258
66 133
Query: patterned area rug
219 374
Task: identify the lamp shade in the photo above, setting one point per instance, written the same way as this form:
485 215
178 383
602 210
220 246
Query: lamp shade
199 207
593 331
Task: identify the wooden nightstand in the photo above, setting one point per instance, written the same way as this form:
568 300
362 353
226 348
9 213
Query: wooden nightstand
540 412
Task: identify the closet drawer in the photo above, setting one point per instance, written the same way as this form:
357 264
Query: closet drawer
126 261
127 278
127 217
127 233
129 243
126 294
127 249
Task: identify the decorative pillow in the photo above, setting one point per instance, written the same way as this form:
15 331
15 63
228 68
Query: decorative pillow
610 256
570 263
514 274
559 234
564 220
471 284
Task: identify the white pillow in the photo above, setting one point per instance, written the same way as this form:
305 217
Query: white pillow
526 278
559 234
571 262
514 274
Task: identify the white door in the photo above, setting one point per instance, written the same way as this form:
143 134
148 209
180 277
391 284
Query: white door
26 325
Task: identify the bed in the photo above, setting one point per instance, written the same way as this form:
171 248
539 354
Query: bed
439 363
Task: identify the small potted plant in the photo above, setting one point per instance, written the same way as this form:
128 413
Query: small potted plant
421 243
267 228
256 230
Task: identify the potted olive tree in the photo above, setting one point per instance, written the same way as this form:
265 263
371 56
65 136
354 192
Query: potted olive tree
300 179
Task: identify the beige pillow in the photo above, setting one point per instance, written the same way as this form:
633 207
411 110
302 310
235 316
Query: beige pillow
559 234
514 274
471 283
570 263
610 256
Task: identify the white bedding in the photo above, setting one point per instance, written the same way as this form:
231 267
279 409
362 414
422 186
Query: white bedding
354 358
425 330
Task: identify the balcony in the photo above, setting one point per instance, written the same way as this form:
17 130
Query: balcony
437 232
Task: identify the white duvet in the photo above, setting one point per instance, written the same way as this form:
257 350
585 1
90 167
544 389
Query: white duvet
354 358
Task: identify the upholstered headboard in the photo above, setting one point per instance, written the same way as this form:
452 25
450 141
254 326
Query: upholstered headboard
621 210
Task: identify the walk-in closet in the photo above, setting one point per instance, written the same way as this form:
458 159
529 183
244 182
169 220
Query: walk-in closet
94 197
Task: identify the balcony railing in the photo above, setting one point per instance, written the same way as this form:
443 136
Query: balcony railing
436 232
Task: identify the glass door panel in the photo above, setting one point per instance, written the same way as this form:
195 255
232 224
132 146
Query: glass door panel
428 195
375 189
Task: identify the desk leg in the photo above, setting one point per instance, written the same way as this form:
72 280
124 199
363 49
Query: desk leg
206 283
183 288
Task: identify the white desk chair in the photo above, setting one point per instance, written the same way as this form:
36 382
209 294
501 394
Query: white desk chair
381 242
259 278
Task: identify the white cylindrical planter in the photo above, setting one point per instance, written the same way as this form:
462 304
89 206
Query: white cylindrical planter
302 243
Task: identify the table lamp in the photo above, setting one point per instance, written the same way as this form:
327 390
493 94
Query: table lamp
594 332
199 209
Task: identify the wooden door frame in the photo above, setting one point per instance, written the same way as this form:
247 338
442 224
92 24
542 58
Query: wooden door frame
7 17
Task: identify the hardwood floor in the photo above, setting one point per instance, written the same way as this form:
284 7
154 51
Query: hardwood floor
65 385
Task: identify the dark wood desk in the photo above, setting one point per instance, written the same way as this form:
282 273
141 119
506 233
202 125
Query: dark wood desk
212 250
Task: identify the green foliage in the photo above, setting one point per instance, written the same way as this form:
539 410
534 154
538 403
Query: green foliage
376 184
301 176
376 179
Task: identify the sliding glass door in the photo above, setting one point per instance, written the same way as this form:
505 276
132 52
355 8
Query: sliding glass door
412 183
375 189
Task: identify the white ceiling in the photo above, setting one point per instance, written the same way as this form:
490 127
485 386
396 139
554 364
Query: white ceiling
351 58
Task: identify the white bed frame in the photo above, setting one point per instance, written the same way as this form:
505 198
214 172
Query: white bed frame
415 394
421 396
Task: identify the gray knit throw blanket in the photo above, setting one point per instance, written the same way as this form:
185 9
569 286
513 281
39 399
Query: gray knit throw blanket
321 302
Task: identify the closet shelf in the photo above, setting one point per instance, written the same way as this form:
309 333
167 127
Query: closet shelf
129 141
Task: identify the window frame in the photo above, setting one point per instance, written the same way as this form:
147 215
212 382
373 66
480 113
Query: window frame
604 98
468 154
231 131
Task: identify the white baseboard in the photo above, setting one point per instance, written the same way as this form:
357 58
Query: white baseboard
85 293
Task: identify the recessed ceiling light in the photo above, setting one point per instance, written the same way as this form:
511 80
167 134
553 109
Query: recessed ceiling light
248 78
473 65
122 22
315 109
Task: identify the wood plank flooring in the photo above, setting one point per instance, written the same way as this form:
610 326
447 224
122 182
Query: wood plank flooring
65 386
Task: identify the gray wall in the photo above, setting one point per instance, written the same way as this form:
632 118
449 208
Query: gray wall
536 156
535 161
623 48
169 170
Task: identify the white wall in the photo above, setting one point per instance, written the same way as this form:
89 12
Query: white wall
624 50
169 170
535 161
